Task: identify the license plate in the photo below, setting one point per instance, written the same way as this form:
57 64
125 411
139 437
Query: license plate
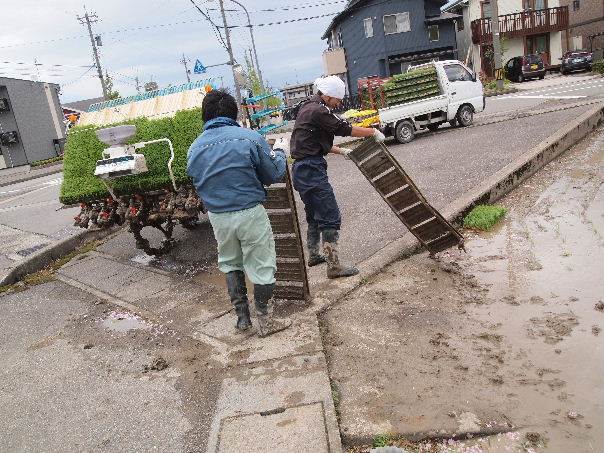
534 66
577 60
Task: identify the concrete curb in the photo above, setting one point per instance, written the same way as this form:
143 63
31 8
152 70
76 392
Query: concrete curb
51 170
489 191
43 257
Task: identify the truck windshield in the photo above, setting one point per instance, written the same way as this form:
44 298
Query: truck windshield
456 73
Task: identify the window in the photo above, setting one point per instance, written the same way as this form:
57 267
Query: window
456 73
486 10
534 4
460 24
433 32
576 5
396 23
368 24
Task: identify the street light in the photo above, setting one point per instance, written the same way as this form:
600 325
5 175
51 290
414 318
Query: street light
251 27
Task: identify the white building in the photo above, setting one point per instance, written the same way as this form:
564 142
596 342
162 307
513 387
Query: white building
526 27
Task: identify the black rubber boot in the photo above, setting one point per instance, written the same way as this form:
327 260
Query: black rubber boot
335 269
267 325
313 242
238 293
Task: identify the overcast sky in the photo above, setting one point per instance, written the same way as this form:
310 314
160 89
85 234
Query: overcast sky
49 32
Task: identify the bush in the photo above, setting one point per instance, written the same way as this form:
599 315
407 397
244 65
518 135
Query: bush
484 217
598 66
83 149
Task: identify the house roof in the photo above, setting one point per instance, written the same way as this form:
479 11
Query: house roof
351 5
357 4
82 106
452 4
444 17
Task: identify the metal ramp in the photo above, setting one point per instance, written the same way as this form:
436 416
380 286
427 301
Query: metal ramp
292 279
404 198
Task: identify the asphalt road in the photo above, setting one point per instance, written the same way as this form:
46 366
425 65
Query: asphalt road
31 218
444 165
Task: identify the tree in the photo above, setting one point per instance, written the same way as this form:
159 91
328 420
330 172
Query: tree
109 85
257 88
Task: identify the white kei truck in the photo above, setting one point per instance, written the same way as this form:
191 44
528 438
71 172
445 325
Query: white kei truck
461 95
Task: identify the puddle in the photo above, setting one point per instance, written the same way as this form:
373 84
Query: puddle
124 322
143 259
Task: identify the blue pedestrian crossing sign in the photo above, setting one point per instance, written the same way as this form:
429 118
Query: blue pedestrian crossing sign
199 68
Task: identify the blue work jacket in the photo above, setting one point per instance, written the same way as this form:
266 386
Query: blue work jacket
230 166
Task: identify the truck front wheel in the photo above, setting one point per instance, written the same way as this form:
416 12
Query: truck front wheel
404 132
465 115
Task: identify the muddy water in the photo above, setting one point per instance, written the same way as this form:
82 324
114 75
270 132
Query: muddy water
504 338
544 270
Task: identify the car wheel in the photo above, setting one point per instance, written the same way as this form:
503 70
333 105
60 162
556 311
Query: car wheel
465 115
404 132
542 76
520 78
432 127
563 71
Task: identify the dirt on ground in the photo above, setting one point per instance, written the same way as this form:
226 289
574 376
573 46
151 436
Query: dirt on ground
501 339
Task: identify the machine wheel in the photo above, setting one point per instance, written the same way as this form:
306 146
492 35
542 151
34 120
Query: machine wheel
520 78
465 115
404 132
432 127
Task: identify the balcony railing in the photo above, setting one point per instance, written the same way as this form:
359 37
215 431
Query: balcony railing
521 24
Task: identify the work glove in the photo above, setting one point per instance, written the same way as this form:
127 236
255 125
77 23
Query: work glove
282 143
378 136
346 152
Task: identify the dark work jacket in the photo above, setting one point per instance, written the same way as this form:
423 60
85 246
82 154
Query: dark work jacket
315 129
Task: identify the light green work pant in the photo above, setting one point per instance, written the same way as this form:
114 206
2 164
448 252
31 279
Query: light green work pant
246 243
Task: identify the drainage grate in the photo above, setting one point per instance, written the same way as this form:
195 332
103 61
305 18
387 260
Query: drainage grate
404 198
30 250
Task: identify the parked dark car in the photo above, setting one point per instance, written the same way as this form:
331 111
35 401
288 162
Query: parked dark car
520 69
577 60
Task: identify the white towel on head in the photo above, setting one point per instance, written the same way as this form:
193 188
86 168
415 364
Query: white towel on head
331 86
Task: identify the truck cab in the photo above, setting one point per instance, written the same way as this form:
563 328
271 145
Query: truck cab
461 95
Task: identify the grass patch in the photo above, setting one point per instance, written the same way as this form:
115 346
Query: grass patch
39 163
83 149
484 217
382 440
48 273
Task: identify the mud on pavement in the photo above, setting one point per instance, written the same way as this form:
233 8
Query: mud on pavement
501 339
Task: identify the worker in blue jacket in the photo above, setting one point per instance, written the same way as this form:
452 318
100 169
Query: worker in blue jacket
230 166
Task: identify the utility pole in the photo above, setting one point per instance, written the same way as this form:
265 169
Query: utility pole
249 25
138 84
496 44
230 51
184 62
89 19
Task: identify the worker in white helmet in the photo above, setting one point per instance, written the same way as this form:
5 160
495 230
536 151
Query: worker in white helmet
311 140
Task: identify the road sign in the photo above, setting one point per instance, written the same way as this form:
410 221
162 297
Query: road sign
199 68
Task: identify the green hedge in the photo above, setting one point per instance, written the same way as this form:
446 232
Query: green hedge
83 149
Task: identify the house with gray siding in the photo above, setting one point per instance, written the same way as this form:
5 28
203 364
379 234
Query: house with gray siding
384 37
31 122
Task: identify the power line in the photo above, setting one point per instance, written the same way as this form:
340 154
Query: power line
45 64
171 24
214 26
